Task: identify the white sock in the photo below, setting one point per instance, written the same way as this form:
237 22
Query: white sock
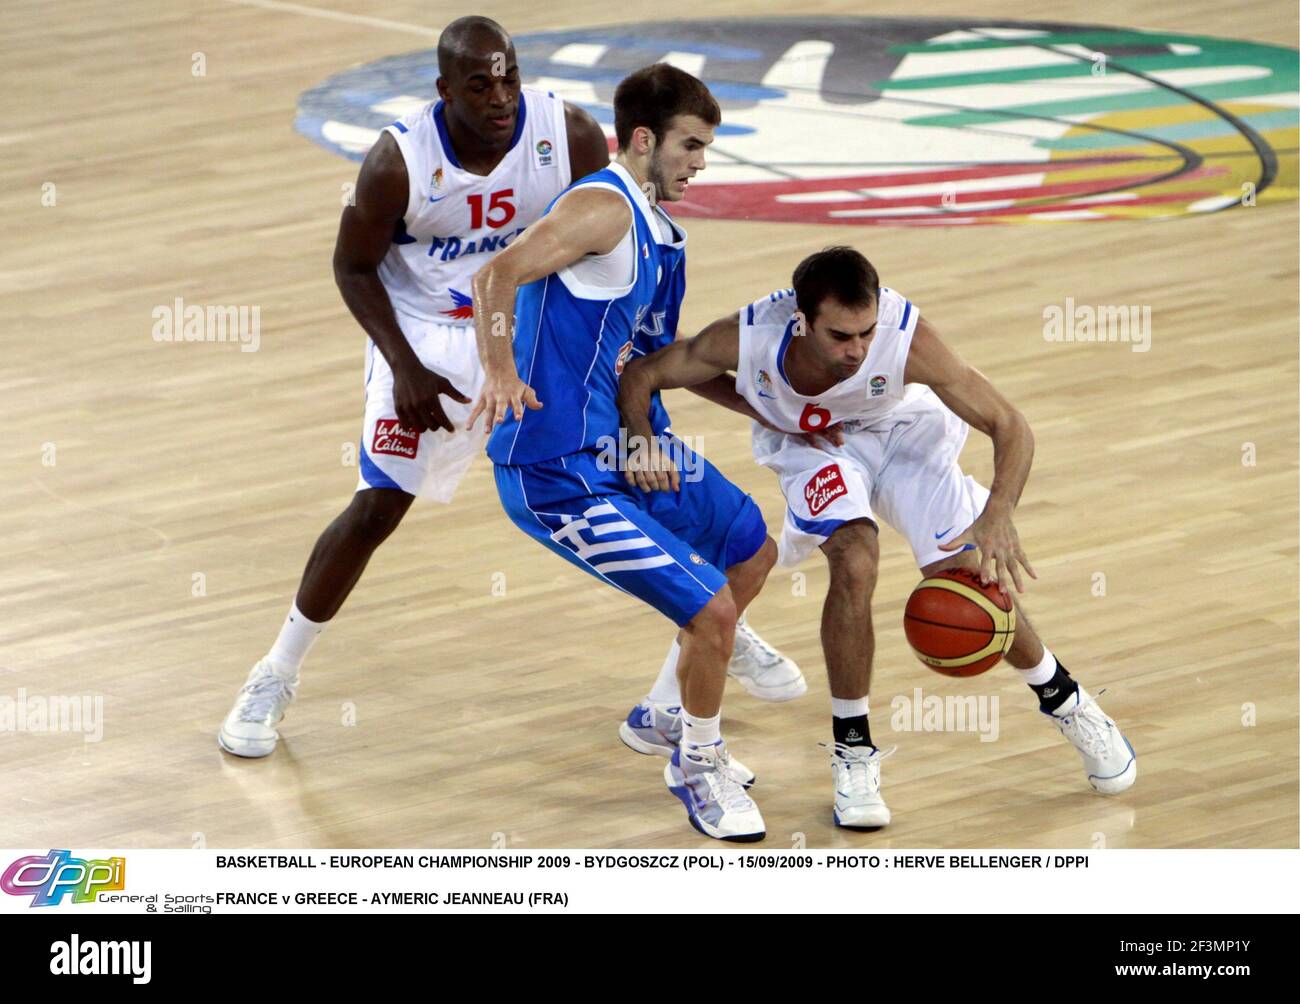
1036 676
296 638
701 731
849 708
666 689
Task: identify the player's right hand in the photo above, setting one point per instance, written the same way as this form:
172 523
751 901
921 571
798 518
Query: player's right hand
500 393
833 435
649 467
415 395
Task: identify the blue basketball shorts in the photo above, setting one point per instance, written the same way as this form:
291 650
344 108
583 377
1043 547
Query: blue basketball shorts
668 549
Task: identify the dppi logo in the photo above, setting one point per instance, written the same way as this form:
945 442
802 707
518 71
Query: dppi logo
870 121
47 879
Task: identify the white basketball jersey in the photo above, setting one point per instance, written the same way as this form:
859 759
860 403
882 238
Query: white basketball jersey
456 220
870 395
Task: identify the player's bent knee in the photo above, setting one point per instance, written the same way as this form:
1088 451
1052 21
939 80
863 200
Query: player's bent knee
853 552
715 624
375 513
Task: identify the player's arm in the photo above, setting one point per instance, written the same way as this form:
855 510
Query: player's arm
721 390
365 234
721 387
586 221
588 148
686 363
968 393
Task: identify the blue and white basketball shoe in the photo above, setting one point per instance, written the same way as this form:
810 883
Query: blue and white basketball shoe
705 779
656 730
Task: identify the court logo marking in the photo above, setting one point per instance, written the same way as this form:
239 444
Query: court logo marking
917 122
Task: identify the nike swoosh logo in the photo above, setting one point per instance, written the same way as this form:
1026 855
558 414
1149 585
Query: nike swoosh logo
438 199
945 533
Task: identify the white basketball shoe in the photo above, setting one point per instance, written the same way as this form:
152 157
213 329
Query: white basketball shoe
704 778
1108 758
763 671
856 769
249 729
656 730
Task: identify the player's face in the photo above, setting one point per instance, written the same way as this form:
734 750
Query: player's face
483 93
841 336
680 156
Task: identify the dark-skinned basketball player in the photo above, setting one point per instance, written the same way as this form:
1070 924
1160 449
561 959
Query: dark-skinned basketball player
441 192
862 410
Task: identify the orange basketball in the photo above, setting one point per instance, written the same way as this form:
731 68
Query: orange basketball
956 626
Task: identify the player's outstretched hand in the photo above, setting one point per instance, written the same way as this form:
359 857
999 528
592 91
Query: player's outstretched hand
415 396
649 467
500 393
999 546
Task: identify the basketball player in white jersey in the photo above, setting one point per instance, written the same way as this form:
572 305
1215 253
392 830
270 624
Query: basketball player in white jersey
861 410
440 192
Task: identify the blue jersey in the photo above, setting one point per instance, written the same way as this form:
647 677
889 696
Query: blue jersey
572 341
659 326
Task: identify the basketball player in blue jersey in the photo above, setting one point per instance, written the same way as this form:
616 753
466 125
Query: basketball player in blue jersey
441 191
583 286
861 410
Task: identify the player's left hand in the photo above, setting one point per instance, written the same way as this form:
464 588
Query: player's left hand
500 393
999 546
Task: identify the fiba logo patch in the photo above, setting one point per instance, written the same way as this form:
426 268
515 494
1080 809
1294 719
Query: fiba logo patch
544 157
898 121
697 559
878 383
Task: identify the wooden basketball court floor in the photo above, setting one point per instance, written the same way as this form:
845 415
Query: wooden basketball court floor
159 500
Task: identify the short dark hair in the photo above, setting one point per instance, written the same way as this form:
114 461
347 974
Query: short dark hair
839 273
653 95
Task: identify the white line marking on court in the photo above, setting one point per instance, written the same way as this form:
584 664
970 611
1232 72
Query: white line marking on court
579 54
334 15
801 67
691 62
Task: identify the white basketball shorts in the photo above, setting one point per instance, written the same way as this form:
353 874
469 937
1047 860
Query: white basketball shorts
429 464
904 469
